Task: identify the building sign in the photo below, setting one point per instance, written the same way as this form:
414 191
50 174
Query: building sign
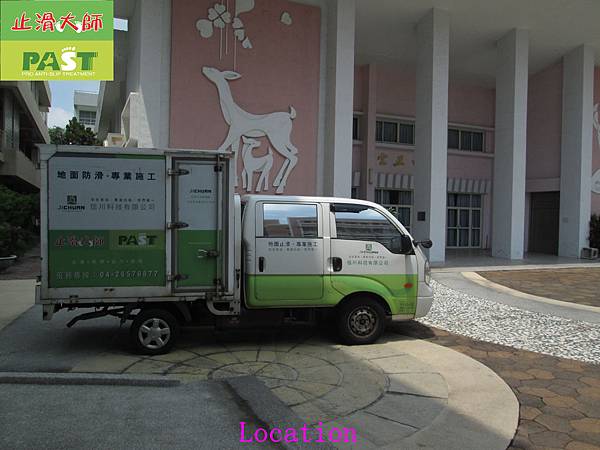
56 40
106 226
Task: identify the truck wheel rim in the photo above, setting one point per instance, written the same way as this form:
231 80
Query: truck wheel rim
154 333
362 321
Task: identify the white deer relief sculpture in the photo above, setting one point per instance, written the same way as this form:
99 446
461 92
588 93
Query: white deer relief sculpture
596 175
276 126
262 164
597 121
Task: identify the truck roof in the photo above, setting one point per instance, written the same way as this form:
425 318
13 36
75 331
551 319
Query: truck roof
302 198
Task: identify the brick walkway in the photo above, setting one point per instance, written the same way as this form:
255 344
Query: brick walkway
569 285
26 267
559 398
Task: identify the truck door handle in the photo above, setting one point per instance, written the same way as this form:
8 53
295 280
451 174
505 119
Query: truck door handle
336 264
261 263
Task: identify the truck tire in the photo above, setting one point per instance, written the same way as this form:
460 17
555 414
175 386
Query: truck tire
361 321
154 331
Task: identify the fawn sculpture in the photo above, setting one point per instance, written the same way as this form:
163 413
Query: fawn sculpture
262 164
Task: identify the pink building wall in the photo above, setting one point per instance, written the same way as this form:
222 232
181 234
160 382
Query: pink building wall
395 95
596 142
544 123
282 69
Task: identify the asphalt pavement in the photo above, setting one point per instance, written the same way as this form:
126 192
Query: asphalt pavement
29 344
190 416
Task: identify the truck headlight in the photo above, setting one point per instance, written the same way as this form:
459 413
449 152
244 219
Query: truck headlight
427 273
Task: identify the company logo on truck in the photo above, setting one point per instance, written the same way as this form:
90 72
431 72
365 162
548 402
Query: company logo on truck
137 240
71 204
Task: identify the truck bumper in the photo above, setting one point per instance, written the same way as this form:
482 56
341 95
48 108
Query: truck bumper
424 300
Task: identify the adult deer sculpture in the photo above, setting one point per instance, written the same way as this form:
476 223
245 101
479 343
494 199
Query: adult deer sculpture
276 126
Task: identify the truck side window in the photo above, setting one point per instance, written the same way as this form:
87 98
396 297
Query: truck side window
361 223
293 220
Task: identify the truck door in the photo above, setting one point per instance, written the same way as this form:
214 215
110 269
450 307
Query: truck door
288 266
365 257
196 225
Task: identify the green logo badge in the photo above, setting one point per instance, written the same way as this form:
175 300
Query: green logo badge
56 40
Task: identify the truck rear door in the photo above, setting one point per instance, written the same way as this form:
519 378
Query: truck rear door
198 224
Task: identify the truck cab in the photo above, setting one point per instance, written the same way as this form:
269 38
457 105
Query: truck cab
348 255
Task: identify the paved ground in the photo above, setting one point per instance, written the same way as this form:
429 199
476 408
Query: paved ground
480 317
398 390
195 415
482 259
15 299
559 398
26 267
581 286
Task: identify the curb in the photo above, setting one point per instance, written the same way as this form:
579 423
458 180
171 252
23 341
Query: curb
271 411
80 379
482 281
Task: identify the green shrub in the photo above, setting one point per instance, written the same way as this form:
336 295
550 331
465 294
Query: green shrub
19 215
595 231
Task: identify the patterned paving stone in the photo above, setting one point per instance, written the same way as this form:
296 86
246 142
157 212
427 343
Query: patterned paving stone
553 413
577 445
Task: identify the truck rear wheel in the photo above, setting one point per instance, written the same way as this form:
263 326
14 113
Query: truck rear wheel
361 321
154 331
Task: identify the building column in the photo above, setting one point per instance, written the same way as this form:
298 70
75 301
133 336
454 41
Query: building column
369 121
337 167
431 131
508 216
149 69
576 151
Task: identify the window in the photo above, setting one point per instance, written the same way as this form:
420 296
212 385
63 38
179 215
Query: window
394 132
464 220
354 192
355 128
399 203
361 223
471 141
293 220
87 118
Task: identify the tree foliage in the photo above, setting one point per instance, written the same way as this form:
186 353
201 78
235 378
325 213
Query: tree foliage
74 133
19 214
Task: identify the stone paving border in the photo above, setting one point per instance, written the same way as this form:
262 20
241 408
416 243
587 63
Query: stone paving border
399 393
482 281
486 282
559 398
481 317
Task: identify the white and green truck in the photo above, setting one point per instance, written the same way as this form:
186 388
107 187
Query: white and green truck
159 237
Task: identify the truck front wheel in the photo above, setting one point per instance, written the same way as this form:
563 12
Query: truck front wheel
154 331
361 321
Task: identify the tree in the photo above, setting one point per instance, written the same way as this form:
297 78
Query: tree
73 134
57 136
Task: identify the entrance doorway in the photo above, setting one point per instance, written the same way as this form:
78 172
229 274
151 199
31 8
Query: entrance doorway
544 222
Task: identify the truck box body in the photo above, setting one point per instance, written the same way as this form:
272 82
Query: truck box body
121 224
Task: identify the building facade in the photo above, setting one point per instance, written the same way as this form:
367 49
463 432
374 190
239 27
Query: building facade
476 123
84 106
23 123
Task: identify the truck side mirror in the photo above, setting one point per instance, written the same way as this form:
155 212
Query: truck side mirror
402 245
425 243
